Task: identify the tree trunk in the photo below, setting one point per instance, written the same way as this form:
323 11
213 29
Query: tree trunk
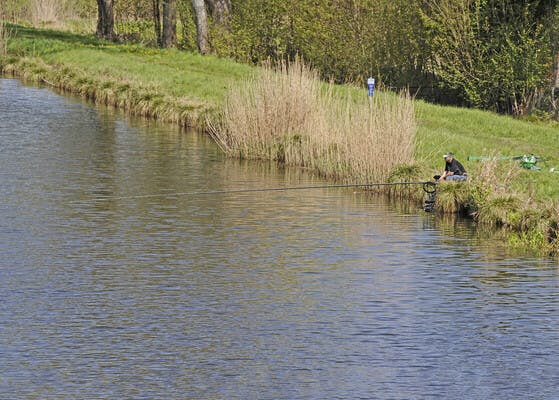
220 10
169 23
105 19
157 22
201 25
555 86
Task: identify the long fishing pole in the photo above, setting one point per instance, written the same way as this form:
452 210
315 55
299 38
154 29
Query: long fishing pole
428 187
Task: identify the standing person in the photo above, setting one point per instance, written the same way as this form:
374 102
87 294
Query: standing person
453 170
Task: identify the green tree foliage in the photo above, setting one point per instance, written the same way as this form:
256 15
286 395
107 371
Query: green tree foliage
128 10
493 54
345 40
187 38
261 29
382 38
499 53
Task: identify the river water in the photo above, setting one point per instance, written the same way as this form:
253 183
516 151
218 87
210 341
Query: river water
117 283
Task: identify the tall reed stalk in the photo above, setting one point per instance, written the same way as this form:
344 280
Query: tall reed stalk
3 44
45 11
4 36
287 114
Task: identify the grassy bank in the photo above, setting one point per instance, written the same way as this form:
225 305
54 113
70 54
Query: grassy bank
338 134
169 85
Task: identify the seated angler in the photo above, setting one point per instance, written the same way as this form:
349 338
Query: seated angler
453 170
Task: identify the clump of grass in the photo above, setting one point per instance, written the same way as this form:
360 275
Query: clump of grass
496 176
287 114
553 226
406 173
540 235
497 210
453 197
536 227
491 197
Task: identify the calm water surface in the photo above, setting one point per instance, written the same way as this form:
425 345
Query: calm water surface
114 284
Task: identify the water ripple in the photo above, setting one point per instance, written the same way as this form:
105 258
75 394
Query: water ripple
292 295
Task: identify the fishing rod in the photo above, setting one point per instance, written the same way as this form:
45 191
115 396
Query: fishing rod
428 187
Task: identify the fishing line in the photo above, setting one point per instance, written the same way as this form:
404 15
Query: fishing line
427 187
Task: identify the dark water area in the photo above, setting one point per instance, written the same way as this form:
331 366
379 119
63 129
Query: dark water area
117 284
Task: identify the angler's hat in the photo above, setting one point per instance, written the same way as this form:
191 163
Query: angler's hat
448 154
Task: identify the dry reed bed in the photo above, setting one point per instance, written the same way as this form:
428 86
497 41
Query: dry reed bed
286 114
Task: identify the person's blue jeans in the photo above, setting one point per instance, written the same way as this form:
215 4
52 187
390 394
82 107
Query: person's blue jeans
456 178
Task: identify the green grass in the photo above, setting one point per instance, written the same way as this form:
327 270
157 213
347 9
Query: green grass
174 73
